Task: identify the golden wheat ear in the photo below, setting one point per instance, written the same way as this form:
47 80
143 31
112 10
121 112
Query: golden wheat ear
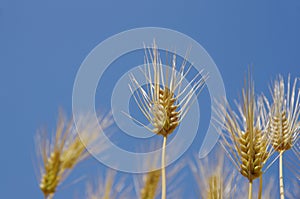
60 153
243 135
166 100
284 114
284 111
50 151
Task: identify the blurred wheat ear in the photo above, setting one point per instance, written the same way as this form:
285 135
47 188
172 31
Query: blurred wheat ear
243 135
215 180
150 185
164 102
284 120
62 152
107 188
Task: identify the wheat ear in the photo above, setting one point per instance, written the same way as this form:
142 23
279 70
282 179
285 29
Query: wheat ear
103 189
51 155
247 144
162 98
214 179
149 187
284 120
61 154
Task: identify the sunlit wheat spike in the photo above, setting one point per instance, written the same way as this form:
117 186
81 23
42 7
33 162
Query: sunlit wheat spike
253 155
63 152
284 120
51 154
51 178
163 101
215 180
243 135
284 114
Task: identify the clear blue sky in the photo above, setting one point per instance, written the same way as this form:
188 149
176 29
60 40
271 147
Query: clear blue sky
43 43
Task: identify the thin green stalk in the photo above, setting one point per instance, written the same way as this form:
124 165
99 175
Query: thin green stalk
281 175
163 170
250 190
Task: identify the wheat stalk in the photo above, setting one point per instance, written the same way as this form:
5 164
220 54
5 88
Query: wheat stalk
268 192
284 120
147 184
148 187
164 102
243 135
61 154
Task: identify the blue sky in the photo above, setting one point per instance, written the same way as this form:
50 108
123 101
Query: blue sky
43 43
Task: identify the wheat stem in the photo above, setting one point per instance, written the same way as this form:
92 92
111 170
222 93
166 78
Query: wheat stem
49 196
250 190
260 186
163 170
281 175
